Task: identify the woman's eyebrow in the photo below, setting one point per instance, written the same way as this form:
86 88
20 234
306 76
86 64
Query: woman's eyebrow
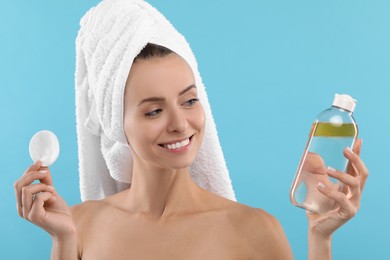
186 89
159 99
151 99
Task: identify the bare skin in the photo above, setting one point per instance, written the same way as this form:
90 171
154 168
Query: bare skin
217 229
165 215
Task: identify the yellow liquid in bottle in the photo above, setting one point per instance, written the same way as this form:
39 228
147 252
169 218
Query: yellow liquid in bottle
333 130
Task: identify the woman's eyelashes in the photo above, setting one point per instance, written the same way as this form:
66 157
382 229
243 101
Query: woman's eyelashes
192 102
187 104
153 113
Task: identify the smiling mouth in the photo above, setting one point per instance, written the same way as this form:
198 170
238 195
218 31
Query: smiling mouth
178 144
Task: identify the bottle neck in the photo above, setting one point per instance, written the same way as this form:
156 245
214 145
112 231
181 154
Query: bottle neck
343 109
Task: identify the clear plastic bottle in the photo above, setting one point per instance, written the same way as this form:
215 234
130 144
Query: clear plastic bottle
333 130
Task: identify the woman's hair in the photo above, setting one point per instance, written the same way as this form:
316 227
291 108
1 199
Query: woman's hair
153 50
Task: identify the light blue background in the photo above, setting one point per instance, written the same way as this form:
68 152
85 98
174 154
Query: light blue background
269 68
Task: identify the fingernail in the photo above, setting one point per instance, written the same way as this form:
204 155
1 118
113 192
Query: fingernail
43 171
50 187
331 170
349 150
321 185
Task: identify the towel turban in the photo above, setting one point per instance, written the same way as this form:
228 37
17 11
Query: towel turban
111 35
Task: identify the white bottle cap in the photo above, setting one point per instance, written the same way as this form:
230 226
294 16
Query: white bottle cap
344 101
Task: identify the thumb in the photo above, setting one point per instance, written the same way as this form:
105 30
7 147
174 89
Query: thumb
48 180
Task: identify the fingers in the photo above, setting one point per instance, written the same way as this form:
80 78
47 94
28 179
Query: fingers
34 172
28 193
314 164
357 147
23 182
34 167
37 166
37 213
349 203
351 185
356 166
48 180
347 210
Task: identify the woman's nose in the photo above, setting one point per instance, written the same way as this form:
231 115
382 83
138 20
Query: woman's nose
178 121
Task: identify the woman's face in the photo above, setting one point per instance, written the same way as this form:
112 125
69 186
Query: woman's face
163 119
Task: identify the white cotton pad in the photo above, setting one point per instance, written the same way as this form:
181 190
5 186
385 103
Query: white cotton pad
44 146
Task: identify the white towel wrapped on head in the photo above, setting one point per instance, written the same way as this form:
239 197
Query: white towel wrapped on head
111 35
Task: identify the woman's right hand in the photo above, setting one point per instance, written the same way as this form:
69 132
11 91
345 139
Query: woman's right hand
40 204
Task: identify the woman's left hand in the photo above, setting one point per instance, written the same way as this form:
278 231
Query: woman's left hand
348 198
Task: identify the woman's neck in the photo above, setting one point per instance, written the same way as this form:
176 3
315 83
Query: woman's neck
160 192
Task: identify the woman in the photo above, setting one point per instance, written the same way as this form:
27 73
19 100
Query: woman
165 214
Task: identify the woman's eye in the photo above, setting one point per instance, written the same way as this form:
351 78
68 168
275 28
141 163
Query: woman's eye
153 113
191 102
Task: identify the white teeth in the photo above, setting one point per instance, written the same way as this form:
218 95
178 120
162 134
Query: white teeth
177 145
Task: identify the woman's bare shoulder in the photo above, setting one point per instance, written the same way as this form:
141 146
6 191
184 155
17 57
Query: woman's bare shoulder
241 211
82 213
254 217
86 207
94 207
261 230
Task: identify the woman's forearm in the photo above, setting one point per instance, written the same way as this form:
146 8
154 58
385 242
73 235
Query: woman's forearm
64 248
319 248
